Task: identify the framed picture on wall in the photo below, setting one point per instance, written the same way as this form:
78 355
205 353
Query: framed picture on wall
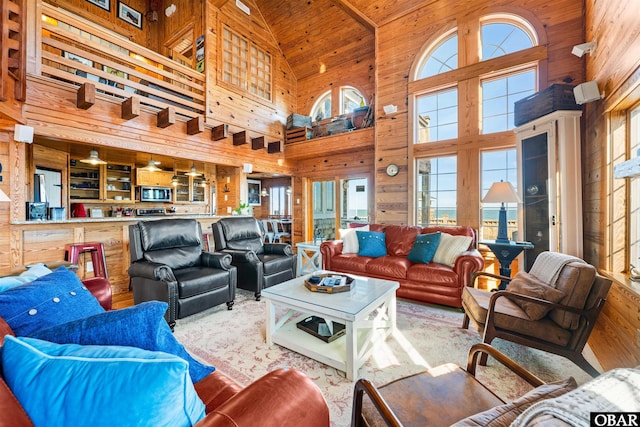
130 15
104 4
253 192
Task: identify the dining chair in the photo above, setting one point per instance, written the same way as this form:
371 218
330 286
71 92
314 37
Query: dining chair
280 234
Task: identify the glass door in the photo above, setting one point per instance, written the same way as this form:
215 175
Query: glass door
323 209
354 202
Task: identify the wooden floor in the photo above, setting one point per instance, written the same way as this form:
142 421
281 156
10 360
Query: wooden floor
122 300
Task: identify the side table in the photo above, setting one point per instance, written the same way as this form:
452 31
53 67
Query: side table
506 252
309 257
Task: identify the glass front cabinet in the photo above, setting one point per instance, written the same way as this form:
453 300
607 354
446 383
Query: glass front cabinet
550 184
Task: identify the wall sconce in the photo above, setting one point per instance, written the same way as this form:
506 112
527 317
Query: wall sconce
580 49
264 192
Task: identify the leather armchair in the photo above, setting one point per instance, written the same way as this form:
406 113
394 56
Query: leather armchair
168 264
259 264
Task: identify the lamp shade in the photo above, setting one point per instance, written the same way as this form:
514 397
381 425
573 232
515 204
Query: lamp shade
152 165
93 159
501 192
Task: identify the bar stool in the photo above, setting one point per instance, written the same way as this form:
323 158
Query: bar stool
72 253
98 285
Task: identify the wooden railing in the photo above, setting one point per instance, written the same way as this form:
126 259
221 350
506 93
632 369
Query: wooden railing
78 51
12 45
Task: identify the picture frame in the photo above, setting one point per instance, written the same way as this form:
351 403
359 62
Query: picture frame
103 4
130 15
254 189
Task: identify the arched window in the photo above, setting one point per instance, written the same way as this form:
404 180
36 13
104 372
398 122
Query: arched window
322 107
351 98
441 57
501 35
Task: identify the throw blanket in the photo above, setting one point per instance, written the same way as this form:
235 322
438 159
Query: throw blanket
614 391
548 265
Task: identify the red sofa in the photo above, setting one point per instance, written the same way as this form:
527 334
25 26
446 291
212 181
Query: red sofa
284 397
432 283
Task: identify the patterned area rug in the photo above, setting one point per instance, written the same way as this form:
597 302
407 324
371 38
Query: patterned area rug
429 335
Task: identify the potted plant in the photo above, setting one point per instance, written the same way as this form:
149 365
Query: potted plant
243 209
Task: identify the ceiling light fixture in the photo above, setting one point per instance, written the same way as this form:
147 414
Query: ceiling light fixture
174 179
152 166
93 159
193 171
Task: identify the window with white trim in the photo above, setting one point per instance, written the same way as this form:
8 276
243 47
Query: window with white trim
245 65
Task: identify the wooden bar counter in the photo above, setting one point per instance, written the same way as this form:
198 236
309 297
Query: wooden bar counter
44 241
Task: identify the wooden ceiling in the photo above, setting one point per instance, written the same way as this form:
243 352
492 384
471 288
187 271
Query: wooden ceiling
317 35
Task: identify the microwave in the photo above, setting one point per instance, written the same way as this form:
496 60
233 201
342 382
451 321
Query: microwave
153 194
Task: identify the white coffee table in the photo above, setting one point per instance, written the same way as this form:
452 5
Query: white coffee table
368 312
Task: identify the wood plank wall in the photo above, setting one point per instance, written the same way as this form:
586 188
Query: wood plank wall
615 66
399 44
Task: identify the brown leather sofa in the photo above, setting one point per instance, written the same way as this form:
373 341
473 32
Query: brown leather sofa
281 398
432 282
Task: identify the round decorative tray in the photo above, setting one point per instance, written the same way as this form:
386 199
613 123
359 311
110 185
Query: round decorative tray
328 283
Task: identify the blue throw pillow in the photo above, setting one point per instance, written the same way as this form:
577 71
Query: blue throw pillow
34 271
424 248
50 300
371 243
142 326
74 385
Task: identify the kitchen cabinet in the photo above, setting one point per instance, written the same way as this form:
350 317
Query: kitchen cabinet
119 185
550 184
84 181
158 178
189 189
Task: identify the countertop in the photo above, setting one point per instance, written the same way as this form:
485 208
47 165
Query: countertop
116 219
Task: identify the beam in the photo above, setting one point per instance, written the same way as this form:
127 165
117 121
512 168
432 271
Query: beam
257 143
355 13
240 138
274 147
195 125
86 96
130 108
219 132
166 117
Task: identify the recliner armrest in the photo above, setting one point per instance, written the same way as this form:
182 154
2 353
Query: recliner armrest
283 398
218 260
278 249
242 256
151 270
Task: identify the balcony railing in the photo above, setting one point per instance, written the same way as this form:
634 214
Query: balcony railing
77 51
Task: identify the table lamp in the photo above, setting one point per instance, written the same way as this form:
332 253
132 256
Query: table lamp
501 192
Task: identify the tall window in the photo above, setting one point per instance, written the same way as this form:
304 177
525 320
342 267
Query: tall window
436 189
279 201
496 166
245 65
499 96
438 116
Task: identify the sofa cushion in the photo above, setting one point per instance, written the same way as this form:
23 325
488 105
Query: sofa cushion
450 247
434 273
350 239
351 263
135 385
424 248
400 239
199 280
31 274
142 326
575 280
504 415
58 297
388 266
371 243
526 284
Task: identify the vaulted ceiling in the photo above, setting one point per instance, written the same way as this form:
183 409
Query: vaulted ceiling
317 34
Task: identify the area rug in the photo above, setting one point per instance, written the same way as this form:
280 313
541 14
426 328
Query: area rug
428 335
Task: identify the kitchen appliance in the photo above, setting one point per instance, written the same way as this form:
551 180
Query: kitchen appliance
153 194
78 210
37 211
57 214
151 212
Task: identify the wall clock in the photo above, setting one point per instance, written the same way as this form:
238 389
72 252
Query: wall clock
392 169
